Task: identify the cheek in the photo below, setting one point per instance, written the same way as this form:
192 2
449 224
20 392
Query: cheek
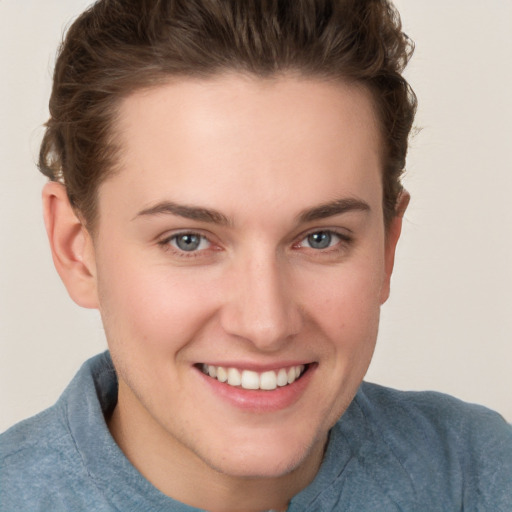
347 304
151 307
344 319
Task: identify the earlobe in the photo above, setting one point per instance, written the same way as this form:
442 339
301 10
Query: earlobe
392 237
71 245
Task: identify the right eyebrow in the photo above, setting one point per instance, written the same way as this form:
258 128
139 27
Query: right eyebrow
185 211
333 208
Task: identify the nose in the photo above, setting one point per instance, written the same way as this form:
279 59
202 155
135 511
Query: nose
261 306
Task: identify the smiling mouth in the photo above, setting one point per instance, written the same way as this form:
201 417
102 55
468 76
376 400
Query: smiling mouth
251 380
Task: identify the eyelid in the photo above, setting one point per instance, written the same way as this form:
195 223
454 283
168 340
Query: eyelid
202 239
344 234
333 241
165 242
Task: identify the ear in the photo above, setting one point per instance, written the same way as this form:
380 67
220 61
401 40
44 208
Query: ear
392 236
71 245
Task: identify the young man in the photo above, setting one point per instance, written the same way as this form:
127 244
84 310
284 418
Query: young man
224 188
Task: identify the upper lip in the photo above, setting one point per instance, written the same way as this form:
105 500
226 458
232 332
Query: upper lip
257 367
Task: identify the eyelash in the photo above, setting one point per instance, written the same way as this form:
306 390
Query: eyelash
344 240
167 245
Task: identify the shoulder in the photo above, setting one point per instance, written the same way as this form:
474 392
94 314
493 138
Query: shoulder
36 439
433 415
41 464
35 456
466 449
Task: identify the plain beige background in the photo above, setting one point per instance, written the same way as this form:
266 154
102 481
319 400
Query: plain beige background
448 324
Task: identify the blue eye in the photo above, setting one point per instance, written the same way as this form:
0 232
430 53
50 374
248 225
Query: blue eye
189 242
321 240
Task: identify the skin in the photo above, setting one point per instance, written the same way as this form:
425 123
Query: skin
264 155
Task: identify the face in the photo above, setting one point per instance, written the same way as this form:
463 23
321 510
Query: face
240 262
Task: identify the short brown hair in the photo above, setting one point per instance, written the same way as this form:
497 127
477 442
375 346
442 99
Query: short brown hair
119 46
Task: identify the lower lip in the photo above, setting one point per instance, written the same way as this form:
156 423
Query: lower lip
258 400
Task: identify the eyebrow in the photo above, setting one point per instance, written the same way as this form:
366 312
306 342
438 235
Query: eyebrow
330 209
188 212
333 208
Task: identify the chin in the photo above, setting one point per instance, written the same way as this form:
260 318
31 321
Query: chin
271 458
267 466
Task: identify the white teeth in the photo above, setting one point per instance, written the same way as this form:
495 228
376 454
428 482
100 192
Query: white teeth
268 381
282 377
222 374
234 377
249 379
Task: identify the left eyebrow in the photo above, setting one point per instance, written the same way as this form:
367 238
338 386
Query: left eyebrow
185 211
332 208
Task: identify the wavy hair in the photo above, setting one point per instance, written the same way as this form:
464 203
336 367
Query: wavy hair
119 46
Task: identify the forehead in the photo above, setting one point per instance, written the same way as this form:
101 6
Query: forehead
280 139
